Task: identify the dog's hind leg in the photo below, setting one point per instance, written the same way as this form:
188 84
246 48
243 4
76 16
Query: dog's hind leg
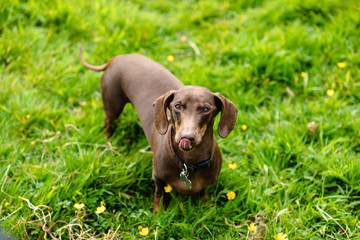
114 100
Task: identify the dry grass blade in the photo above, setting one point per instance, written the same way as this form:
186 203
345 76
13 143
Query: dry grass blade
4 181
333 219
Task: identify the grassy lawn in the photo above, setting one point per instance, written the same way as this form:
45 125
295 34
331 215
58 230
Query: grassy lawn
290 66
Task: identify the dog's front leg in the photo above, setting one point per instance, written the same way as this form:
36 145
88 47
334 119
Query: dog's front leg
160 192
204 195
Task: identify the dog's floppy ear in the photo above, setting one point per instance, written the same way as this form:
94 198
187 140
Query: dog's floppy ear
228 115
160 107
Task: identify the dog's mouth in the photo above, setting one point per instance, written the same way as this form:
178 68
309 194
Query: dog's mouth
185 144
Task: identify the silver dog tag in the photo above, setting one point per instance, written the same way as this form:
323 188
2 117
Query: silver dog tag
184 176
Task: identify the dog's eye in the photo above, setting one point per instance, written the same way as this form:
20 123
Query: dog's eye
178 106
206 109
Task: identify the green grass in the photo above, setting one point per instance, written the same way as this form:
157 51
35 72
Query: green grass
54 153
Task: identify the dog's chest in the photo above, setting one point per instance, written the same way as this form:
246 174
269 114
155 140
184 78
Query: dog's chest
197 179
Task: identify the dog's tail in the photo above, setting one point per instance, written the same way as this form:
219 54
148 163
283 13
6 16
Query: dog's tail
92 67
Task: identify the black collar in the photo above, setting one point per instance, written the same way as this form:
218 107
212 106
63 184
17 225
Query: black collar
192 167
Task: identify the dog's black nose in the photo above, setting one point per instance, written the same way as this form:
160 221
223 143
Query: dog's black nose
188 135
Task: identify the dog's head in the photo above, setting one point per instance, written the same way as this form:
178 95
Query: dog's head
191 111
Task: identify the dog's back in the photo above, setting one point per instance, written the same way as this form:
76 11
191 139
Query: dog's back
133 78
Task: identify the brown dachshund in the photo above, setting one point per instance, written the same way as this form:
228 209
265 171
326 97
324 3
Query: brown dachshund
177 120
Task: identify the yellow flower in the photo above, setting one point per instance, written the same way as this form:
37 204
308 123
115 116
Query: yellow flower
303 74
232 166
359 134
101 209
7 204
231 195
170 58
330 92
252 227
280 236
79 206
243 127
143 231
168 188
341 64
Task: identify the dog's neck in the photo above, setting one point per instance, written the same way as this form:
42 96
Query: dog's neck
199 153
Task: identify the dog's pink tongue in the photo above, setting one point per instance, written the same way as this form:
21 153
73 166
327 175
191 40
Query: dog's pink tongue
185 143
